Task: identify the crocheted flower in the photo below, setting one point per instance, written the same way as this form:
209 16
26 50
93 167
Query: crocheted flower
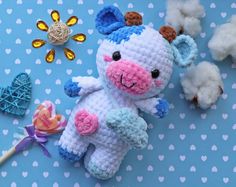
86 124
58 34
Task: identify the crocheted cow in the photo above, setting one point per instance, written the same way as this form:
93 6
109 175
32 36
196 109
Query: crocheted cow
135 63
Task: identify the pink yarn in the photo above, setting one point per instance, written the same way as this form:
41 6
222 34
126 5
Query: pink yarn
129 77
86 123
107 58
158 83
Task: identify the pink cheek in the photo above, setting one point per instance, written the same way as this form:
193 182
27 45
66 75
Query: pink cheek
107 58
158 83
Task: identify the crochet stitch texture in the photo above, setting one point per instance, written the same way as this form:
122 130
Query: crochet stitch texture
126 60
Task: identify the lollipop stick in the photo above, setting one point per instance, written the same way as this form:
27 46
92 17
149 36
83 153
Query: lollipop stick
7 155
10 152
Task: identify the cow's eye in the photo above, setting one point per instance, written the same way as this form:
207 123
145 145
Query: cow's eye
155 73
116 56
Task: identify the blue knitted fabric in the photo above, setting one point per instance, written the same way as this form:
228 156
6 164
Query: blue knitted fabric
109 19
185 50
124 33
162 108
69 156
129 126
98 172
71 88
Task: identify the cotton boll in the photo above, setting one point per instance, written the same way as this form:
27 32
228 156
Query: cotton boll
185 15
176 20
223 42
174 17
202 84
192 8
192 26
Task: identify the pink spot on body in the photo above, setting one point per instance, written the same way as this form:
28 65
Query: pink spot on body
86 123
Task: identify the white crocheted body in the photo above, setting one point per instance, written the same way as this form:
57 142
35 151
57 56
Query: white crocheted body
98 103
110 148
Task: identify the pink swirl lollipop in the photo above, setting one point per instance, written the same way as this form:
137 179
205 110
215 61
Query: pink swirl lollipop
44 123
45 119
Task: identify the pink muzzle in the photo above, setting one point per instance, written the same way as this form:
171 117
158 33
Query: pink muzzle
129 77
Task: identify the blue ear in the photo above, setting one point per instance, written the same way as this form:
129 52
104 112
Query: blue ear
109 19
185 50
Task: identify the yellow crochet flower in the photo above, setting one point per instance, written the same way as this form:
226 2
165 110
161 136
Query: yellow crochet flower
58 34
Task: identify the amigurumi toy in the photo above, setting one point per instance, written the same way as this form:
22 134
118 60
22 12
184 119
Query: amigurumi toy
135 63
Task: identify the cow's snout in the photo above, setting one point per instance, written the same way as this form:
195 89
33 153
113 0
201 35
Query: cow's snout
129 77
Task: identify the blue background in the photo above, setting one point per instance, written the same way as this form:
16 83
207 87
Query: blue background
190 147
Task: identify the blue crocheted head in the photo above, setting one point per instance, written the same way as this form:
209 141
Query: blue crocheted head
137 61
124 33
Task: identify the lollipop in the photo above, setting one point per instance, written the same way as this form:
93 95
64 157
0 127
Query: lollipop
45 119
45 122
